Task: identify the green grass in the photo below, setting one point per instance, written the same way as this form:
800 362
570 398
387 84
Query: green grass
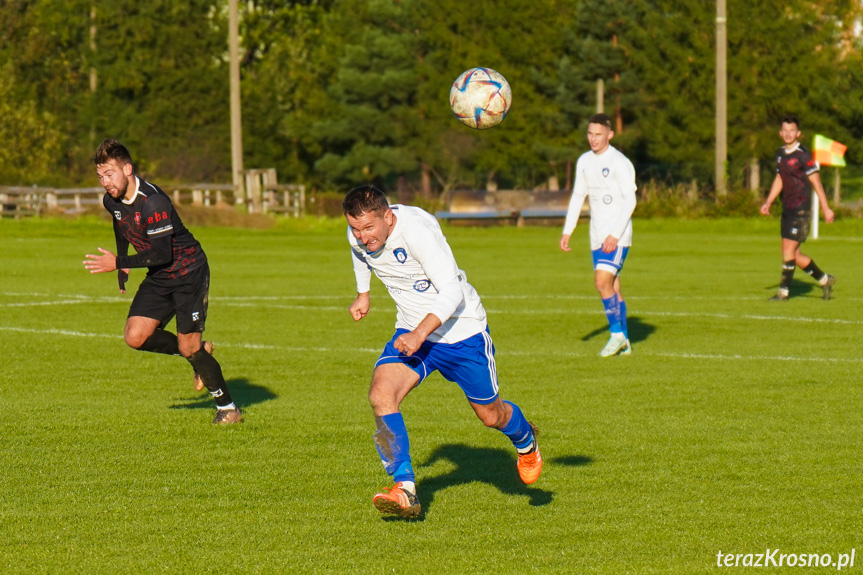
734 426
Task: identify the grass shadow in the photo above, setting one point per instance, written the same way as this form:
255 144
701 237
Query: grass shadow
638 330
242 390
572 460
493 466
798 288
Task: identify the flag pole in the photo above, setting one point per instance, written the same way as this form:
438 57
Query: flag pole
815 209
835 186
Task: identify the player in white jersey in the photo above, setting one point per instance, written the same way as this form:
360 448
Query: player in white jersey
440 325
607 178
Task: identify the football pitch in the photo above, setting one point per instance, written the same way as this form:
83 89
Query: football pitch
734 426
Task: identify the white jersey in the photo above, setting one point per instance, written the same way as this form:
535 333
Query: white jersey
419 270
608 181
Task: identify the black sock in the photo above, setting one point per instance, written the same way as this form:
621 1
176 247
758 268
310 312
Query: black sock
161 342
787 274
813 270
211 372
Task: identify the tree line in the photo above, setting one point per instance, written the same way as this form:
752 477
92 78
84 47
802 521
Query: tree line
336 92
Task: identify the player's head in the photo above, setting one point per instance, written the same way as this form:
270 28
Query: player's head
789 129
599 132
369 215
114 167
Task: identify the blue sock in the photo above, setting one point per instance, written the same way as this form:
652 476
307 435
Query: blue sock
517 429
612 312
391 440
623 318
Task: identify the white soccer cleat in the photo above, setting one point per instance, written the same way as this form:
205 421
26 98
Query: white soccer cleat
626 350
616 343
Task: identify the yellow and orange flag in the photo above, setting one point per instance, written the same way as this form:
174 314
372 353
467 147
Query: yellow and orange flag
829 152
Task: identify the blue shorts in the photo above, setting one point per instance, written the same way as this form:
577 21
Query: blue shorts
610 262
469 363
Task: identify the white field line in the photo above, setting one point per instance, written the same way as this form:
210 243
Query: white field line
348 297
568 354
386 304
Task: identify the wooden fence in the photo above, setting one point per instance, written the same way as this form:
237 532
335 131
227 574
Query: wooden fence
263 194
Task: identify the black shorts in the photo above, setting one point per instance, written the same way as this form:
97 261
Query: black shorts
795 225
186 298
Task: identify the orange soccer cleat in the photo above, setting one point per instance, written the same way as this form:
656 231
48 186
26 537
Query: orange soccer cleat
530 463
397 501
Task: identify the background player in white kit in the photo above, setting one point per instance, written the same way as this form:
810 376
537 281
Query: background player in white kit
440 325
607 178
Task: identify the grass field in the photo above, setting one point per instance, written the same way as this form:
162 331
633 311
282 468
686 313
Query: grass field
735 426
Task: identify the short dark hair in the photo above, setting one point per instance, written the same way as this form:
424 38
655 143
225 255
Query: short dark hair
790 119
602 119
364 200
111 149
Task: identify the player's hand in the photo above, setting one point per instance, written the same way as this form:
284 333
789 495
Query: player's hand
765 209
360 308
564 243
829 215
107 262
122 278
609 245
409 343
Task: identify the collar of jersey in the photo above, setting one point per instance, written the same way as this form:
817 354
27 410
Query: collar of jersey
796 147
137 191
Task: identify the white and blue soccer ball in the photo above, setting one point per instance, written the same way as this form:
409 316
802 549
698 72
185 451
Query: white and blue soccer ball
480 98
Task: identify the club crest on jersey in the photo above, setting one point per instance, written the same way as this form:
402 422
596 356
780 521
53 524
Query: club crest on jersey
117 215
422 285
607 199
401 255
605 172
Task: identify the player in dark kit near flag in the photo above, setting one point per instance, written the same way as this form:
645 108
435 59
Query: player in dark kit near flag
178 275
796 176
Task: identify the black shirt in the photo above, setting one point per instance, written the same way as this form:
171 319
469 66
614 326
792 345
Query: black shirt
794 168
151 225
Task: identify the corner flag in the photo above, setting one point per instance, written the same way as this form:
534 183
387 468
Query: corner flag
829 152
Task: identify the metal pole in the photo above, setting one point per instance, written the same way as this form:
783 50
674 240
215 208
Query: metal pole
600 96
721 100
236 118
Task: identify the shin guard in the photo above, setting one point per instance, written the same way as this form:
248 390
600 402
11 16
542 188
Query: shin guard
211 373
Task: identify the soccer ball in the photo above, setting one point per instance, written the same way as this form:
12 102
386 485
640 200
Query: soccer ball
480 98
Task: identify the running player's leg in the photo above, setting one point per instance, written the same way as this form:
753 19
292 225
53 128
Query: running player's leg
471 364
809 266
190 301
508 418
623 324
607 267
150 311
390 385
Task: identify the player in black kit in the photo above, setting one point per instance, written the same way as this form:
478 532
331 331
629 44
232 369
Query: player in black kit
178 276
796 176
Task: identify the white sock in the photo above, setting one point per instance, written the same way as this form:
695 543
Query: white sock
226 407
409 486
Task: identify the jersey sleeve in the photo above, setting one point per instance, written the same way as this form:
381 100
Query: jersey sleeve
576 202
435 257
625 174
362 270
157 213
810 166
